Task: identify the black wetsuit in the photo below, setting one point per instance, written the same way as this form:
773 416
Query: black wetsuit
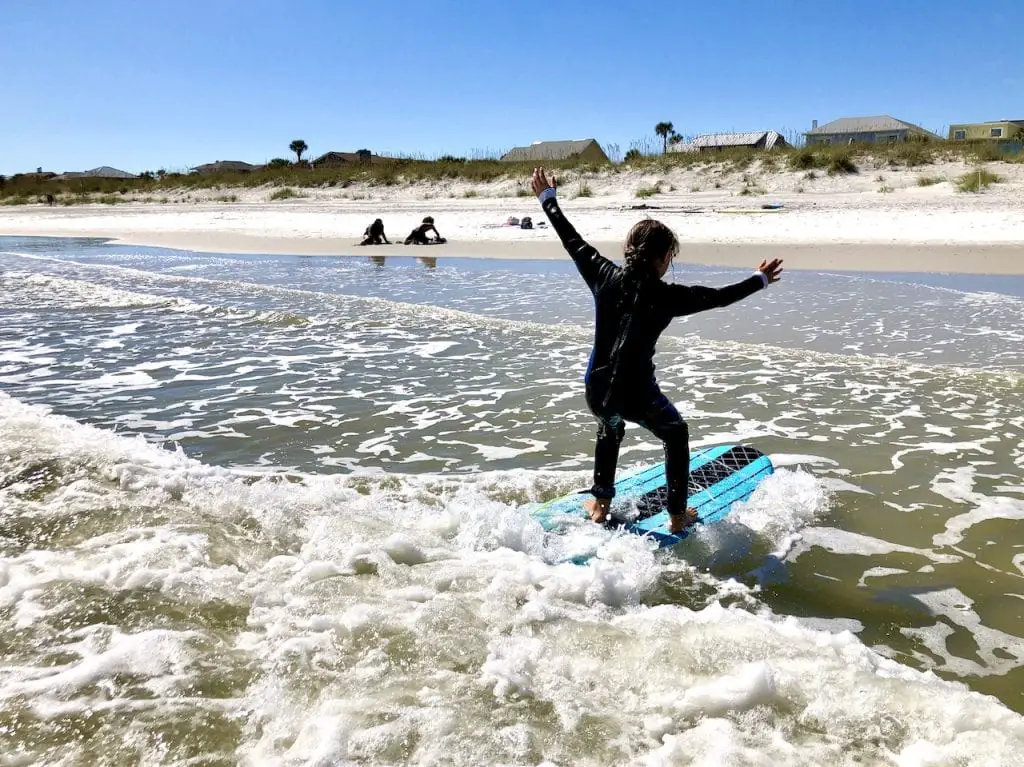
632 312
374 234
418 236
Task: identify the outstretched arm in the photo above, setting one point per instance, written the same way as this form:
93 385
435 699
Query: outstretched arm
690 299
592 266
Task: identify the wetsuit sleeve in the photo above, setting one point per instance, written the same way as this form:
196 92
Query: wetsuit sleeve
592 266
690 299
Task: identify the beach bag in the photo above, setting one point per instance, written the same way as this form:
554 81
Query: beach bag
527 223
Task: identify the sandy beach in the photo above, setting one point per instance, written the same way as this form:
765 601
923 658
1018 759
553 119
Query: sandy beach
829 223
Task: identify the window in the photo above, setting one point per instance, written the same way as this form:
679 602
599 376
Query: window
959 135
996 133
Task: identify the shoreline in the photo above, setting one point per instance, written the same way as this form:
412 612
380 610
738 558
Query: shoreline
979 259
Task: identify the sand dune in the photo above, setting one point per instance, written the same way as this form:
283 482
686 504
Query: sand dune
825 223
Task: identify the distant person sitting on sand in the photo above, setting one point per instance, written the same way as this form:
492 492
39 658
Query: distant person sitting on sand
374 234
418 236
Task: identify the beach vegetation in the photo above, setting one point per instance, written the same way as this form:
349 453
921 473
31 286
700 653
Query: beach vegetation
286 193
929 180
646 156
470 193
840 163
644 192
584 190
884 189
977 180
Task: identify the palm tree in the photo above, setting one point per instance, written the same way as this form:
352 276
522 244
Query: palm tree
663 130
298 146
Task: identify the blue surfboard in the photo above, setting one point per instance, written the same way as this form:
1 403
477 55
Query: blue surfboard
720 476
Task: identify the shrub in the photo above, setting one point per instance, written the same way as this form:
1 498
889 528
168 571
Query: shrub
841 162
285 194
884 189
647 191
929 180
584 190
977 180
803 159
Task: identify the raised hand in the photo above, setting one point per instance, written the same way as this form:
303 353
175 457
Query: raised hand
771 270
540 181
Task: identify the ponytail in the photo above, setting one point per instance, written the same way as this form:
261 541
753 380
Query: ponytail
647 243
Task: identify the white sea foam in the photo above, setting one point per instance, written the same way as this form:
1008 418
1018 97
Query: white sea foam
395 618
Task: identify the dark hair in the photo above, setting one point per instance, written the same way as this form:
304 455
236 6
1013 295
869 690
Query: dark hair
428 220
647 242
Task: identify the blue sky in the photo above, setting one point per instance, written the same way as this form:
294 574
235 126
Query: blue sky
145 84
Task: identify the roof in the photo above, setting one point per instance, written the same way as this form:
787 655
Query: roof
549 150
347 157
867 125
990 122
731 139
226 165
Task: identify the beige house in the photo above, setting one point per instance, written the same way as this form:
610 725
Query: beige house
584 149
1001 130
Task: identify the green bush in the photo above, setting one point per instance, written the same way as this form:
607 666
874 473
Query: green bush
977 180
285 194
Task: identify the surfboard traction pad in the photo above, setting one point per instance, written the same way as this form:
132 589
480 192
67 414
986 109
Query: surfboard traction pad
719 477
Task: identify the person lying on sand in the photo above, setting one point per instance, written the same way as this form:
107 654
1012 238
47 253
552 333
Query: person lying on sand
634 305
374 234
418 236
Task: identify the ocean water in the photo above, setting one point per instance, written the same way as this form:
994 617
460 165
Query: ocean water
273 510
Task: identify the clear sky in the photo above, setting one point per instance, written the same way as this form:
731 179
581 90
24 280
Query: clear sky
148 84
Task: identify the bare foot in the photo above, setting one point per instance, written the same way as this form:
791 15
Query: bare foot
597 508
677 523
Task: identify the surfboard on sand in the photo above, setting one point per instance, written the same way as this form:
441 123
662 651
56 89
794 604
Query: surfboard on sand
720 476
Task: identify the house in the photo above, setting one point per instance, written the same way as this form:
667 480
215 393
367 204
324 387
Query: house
225 166
716 142
334 159
881 129
1002 130
104 171
582 149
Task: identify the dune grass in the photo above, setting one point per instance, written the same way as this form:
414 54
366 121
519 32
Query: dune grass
286 193
977 180
24 189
